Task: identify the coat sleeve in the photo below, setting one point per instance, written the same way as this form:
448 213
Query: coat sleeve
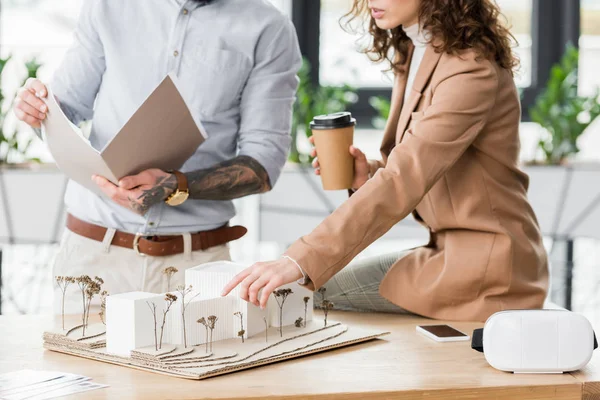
462 98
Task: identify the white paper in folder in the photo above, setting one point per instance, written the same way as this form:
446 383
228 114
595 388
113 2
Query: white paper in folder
162 134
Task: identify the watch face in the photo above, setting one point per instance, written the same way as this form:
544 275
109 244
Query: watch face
178 198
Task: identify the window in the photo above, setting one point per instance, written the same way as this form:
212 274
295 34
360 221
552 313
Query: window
341 60
518 16
284 5
589 79
35 28
589 44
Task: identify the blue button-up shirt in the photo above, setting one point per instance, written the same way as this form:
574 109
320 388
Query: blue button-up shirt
237 61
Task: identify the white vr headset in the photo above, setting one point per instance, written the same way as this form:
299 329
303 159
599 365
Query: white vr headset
536 341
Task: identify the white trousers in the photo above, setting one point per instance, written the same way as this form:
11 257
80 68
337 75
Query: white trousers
123 270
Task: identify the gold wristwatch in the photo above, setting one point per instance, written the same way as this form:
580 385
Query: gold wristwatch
181 194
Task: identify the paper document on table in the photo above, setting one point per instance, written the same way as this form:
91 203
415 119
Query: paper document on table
42 388
76 388
12 382
162 134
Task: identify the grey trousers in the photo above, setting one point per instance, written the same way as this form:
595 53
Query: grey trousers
356 287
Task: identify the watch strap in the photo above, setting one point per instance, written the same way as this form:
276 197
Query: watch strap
182 182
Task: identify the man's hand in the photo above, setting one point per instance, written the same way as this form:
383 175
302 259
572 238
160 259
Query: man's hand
265 276
28 107
139 192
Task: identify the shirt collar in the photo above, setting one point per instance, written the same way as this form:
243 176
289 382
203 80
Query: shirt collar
417 35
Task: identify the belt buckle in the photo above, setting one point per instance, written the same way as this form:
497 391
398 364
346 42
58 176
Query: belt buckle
136 244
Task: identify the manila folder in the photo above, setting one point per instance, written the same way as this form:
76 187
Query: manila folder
161 134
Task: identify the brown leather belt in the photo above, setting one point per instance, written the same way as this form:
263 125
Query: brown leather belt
157 246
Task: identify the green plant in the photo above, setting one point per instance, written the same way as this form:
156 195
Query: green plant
382 105
314 100
11 147
562 111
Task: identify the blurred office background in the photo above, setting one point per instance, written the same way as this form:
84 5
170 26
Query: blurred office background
565 183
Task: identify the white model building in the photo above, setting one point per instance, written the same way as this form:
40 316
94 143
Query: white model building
130 323
293 306
134 319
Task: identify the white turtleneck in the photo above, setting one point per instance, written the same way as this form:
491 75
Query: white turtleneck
419 39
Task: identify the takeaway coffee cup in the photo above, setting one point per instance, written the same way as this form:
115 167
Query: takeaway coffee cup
333 135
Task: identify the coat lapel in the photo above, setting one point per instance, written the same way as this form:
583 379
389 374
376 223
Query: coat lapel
397 101
426 68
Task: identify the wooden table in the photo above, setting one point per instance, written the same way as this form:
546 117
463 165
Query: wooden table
404 365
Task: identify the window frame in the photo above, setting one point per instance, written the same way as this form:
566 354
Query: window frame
553 25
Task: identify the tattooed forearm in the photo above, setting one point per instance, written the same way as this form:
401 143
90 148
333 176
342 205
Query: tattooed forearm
165 185
239 177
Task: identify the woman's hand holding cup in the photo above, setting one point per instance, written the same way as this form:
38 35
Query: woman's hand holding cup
361 165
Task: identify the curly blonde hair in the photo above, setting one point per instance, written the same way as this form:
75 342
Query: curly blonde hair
456 25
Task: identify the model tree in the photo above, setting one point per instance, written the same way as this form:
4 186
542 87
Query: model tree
103 296
203 322
93 288
169 272
152 307
212 320
266 330
298 322
326 305
241 331
306 299
82 282
169 300
281 295
184 291
63 283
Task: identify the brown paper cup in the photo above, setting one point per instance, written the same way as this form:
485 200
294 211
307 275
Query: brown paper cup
333 152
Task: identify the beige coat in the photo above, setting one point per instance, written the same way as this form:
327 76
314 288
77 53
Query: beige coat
450 156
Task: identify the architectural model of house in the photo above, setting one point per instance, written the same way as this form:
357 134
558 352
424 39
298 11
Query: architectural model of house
201 335
130 319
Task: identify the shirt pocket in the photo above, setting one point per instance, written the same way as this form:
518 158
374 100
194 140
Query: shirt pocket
218 77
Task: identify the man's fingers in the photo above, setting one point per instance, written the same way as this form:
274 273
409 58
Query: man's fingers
315 163
236 281
28 119
29 98
130 182
109 188
38 87
313 152
28 109
311 140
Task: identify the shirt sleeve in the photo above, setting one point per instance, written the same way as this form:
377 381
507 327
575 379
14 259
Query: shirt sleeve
268 98
77 81
449 126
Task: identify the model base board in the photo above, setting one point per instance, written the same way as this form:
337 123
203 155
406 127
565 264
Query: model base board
198 362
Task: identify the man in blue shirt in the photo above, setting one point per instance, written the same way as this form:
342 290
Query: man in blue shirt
237 60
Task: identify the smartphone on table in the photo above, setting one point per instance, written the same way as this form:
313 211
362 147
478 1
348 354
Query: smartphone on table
442 333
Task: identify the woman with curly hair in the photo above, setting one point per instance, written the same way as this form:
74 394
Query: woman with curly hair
450 156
